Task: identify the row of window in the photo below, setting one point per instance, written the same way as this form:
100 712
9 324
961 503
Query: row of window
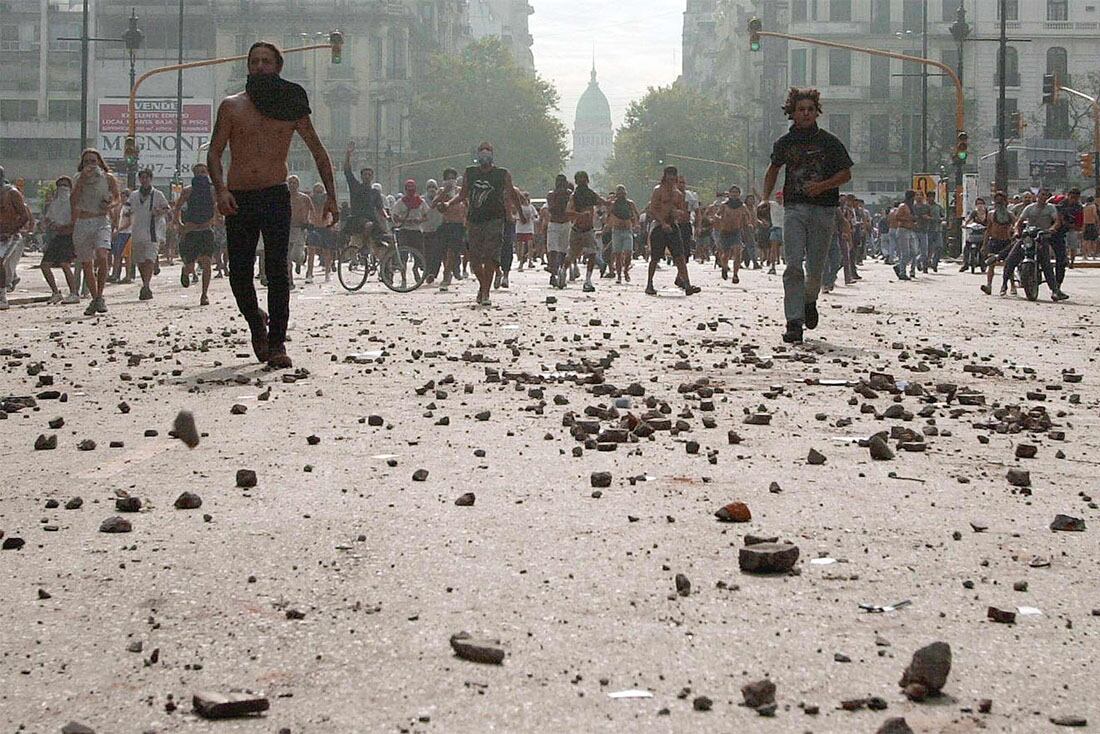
912 12
44 149
804 67
26 110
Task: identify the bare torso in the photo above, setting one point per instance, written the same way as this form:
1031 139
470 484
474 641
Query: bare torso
666 203
300 205
258 145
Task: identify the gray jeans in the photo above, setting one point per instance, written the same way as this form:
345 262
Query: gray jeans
807 233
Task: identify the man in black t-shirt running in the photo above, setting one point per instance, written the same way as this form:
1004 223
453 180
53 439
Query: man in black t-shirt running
486 191
817 166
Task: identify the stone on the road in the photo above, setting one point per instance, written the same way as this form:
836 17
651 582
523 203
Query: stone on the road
246 478
1068 523
188 501
477 650
185 430
767 557
212 705
895 725
880 450
758 693
600 479
929 667
75 727
115 524
465 499
734 512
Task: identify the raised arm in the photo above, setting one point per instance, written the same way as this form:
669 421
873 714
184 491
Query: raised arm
324 164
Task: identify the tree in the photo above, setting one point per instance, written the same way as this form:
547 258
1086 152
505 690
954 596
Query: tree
484 95
677 121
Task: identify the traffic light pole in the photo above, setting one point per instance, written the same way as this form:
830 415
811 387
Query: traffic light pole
131 142
1095 133
962 141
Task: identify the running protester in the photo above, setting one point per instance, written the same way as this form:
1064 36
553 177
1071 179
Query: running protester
194 215
13 217
258 125
1044 215
666 208
731 219
486 190
453 230
147 210
582 211
58 225
997 239
623 219
817 165
301 209
95 192
320 240
558 230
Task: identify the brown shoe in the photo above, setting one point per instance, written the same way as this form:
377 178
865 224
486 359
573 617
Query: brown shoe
278 359
260 346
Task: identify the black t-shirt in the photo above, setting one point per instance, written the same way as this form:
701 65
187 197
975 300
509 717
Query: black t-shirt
485 193
366 201
809 155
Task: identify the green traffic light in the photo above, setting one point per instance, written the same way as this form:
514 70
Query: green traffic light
755 45
962 156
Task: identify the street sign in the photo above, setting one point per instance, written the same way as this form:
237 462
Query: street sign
1047 169
925 182
156 131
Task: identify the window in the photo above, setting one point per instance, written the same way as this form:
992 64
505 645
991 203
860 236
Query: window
1057 10
880 16
1012 10
341 123
18 110
880 77
840 10
1012 69
840 67
841 126
396 65
878 138
912 15
798 67
64 110
798 10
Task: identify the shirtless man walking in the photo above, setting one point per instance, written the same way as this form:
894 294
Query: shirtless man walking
558 229
301 209
666 206
582 241
258 125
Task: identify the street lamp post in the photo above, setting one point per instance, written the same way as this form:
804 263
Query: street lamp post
178 177
960 31
133 39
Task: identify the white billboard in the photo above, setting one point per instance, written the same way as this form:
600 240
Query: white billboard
156 132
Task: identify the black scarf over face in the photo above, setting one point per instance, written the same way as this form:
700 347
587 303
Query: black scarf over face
277 98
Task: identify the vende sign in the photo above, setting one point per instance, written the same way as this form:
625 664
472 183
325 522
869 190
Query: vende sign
156 131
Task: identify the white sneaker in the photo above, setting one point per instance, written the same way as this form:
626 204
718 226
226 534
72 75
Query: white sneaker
71 299
55 298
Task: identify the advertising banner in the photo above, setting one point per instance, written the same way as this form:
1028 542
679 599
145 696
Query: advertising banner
156 132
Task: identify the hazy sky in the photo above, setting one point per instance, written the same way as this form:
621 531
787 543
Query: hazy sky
637 46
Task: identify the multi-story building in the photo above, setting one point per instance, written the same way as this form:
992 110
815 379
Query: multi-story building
874 104
507 20
39 89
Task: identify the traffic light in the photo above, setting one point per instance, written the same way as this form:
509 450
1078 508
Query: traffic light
336 39
754 34
1088 163
1050 88
1019 124
961 146
131 152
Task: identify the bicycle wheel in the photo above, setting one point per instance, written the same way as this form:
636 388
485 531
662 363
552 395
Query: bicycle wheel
352 280
1029 279
403 269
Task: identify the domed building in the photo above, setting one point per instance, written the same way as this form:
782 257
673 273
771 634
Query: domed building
592 132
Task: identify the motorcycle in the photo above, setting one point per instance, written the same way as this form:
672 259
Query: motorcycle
972 247
1029 273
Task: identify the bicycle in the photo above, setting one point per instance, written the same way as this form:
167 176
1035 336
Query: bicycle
401 268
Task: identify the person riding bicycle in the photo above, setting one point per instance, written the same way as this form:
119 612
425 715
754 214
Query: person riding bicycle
1043 215
367 207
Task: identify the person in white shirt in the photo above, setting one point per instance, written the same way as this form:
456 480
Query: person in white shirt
148 209
525 233
775 232
58 225
410 212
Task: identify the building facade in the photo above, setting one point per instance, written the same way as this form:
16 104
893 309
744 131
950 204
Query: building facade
507 20
874 104
592 133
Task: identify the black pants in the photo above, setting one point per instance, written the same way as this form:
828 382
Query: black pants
1042 254
265 211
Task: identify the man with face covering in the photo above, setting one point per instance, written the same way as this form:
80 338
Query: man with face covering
148 207
195 218
257 125
486 190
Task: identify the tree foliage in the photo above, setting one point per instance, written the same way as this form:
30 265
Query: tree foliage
484 95
677 121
